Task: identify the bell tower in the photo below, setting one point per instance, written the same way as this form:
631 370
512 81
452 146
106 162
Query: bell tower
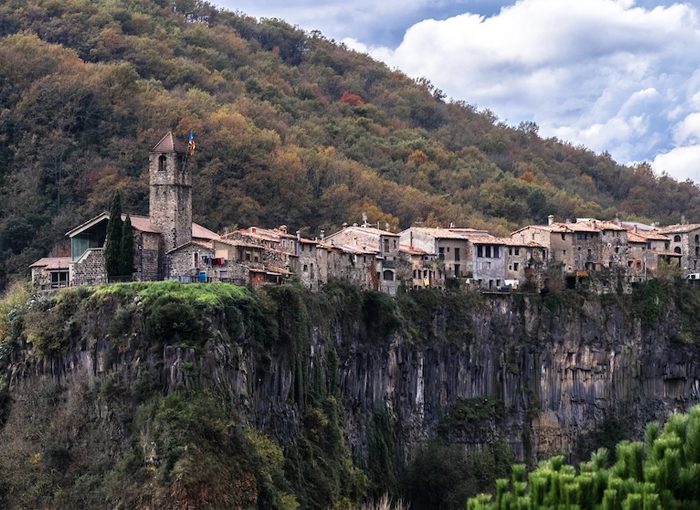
170 200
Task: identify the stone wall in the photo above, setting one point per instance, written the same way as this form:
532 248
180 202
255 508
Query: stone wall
181 262
89 269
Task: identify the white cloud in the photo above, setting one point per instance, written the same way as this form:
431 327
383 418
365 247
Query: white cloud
605 73
681 162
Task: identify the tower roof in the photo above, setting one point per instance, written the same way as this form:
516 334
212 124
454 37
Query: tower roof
170 143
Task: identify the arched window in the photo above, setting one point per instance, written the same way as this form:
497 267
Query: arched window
676 250
676 239
388 275
161 163
697 238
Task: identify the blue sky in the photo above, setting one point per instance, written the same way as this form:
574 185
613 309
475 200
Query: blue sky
621 76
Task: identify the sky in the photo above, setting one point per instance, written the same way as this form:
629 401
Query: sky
621 76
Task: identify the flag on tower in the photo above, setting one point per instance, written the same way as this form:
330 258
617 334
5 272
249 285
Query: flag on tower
191 145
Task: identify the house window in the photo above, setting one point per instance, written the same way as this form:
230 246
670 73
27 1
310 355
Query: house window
517 251
247 256
479 251
676 250
305 268
456 269
394 243
386 245
697 251
563 237
487 251
195 259
414 273
456 253
161 163
697 238
676 239
441 253
510 251
515 266
497 252
388 275
59 279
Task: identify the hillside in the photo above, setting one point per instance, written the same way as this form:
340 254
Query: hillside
292 128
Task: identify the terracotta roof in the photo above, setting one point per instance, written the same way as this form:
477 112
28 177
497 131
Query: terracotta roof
142 223
509 241
446 233
633 237
233 242
52 263
648 235
667 253
413 250
368 230
194 243
679 229
486 239
170 143
200 232
307 241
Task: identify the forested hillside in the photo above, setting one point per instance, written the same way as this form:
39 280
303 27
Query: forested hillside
292 128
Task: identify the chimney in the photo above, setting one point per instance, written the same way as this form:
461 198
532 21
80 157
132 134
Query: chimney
283 228
354 224
323 235
298 235
636 229
410 242
345 225
550 219
386 226
452 225
682 219
253 230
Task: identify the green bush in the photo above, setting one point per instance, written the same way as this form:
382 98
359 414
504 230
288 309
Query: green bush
660 473
172 320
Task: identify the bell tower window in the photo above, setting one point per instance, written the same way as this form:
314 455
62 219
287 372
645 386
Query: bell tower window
161 163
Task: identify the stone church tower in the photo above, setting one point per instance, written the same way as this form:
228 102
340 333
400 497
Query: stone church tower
170 201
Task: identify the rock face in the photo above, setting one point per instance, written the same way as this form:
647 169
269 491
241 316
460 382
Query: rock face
542 378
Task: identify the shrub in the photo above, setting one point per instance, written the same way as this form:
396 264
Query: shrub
172 320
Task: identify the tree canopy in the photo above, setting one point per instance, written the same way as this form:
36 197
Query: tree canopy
293 128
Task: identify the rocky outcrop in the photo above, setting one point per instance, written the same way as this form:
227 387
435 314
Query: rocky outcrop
542 377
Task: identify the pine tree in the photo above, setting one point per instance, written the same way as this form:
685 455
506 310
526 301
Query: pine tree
126 254
114 236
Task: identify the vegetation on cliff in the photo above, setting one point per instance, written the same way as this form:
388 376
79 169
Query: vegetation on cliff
662 472
292 128
150 423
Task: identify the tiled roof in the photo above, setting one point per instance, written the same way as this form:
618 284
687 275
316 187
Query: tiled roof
142 223
200 232
446 233
679 229
192 243
413 250
170 143
52 263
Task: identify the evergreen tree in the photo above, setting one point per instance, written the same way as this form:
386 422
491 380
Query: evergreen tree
126 256
114 237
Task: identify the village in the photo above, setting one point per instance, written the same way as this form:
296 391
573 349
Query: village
604 255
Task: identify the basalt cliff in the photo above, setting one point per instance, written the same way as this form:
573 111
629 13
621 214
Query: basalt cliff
174 396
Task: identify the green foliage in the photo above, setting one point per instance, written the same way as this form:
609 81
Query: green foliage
471 415
52 323
382 455
173 321
661 473
442 476
126 249
113 250
12 305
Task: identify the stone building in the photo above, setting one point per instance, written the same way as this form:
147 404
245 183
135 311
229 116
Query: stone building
51 272
383 243
685 241
451 245
524 263
575 245
418 268
165 241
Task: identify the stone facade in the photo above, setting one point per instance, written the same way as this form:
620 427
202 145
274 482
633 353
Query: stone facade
685 241
170 199
146 256
89 269
189 261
